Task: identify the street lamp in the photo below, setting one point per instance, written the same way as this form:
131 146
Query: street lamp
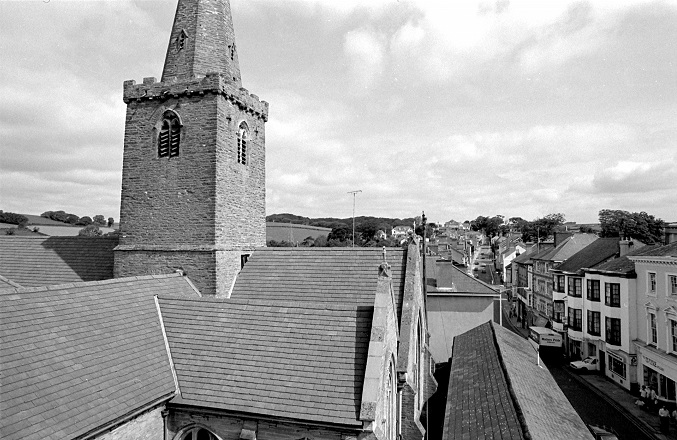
354 193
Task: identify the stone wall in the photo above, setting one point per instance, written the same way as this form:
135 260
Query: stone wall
203 201
147 426
237 428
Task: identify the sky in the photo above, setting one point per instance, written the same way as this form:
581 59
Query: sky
455 108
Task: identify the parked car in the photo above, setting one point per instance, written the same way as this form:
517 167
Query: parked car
587 364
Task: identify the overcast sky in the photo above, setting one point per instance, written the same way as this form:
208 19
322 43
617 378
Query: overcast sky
458 108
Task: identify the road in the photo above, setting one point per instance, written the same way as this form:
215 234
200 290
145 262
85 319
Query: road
592 408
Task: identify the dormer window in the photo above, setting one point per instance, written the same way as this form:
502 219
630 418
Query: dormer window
170 135
242 139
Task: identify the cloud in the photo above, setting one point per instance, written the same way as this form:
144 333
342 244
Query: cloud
637 177
365 53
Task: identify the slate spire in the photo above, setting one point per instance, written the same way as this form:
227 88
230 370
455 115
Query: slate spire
202 41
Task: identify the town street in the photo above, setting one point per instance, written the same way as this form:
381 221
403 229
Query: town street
592 408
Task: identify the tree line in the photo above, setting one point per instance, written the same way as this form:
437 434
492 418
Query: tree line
613 223
369 231
64 217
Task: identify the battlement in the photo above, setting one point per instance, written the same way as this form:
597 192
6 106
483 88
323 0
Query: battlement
215 83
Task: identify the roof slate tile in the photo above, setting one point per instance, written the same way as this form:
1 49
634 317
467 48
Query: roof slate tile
90 355
236 365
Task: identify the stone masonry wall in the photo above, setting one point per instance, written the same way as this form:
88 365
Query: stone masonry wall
232 428
169 201
203 200
413 311
209 43
199 267
241 189
147 426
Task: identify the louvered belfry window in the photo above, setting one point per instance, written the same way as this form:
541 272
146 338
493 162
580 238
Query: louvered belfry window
170 135
242 139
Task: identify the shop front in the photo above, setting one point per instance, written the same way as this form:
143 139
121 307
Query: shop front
574 347
659 373
619 368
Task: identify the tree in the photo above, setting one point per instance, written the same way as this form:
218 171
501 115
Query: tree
341 233
541 228
490 226
72 219
13 218
90 231
111 222
99 220
320 241
84 221
638 225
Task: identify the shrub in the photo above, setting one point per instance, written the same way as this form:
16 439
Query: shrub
90 231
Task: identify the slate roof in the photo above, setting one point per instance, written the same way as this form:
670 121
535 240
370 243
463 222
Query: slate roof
567 248
289 359
78 356
497 390
462 282
479 404
545 409
45 261
340 275
593 254
623 265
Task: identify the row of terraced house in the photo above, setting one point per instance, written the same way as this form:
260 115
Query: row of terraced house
611 299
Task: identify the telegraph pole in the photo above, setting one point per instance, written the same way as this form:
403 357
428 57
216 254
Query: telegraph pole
354 193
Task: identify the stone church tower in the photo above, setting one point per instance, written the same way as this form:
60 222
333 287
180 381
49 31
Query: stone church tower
193 176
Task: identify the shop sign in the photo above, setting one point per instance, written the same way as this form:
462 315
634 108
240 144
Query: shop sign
615 356
557 326
652 362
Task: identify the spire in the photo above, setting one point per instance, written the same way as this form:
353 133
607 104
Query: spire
202 41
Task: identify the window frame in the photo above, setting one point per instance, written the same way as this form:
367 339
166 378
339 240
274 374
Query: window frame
672 336
613 333
652 329
590 283
575 287
610 295
243 139
169 135
575 323
591 323
651 283
671 285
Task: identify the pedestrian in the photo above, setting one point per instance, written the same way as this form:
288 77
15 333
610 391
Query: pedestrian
674 414
643 395
653 398
664 415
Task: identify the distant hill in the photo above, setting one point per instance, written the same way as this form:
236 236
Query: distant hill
331 222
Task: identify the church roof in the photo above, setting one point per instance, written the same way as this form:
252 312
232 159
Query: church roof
297 360
497 390
77 357
45 261
334 275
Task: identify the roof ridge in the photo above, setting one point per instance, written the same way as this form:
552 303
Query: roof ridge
268 302
94 283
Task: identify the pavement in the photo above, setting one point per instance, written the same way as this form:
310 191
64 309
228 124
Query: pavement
616 396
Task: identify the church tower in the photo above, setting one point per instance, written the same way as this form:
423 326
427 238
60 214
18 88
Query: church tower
193 174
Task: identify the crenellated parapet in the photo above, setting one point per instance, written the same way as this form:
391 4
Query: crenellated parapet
214 83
